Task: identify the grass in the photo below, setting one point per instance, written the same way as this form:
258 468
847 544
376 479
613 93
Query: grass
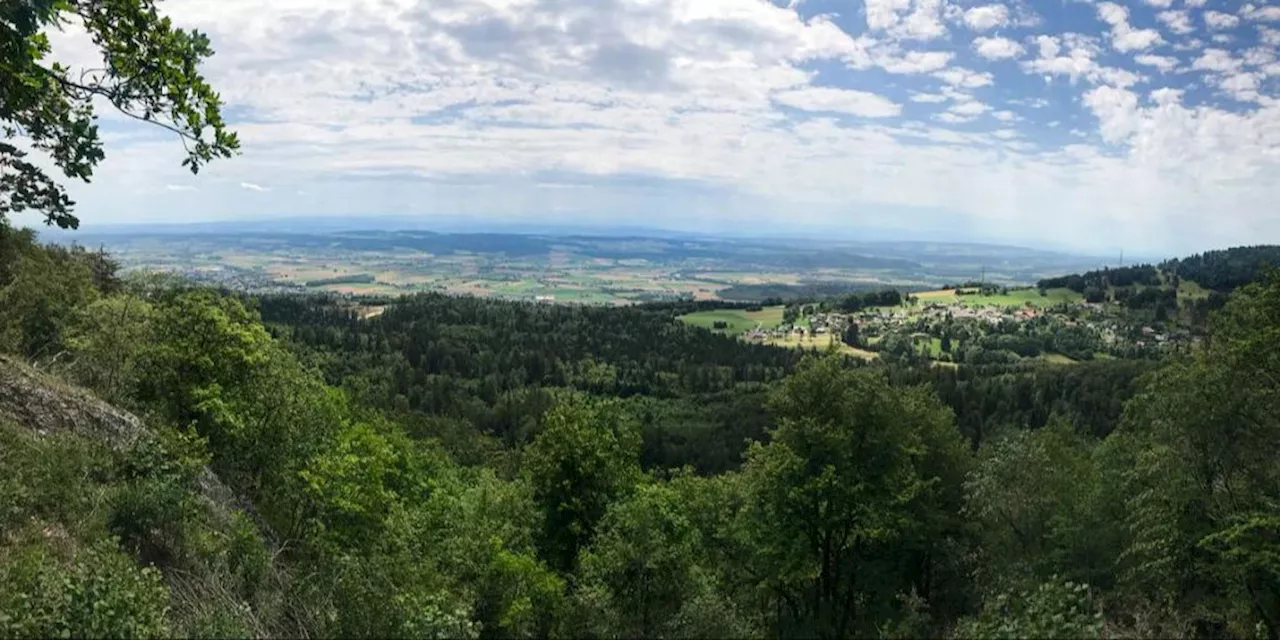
737 321
1190 290
1056 358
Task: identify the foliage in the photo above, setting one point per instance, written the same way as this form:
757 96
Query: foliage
1035 497
846 480
586 457
95 593
466 468
1198 459
1054 609
149 73
1227 269
644 563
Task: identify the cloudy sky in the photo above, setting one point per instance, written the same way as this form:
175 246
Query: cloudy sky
1152 125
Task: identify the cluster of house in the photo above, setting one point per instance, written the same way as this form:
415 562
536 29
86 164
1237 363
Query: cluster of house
871 323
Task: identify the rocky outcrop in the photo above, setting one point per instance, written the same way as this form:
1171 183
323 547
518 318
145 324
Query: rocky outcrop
44 404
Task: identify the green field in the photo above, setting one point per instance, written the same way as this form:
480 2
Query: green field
1189 290
738 321
1015 298
1056 358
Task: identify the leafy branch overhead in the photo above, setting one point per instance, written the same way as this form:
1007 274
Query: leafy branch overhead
150 73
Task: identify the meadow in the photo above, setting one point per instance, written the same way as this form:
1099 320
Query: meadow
736 321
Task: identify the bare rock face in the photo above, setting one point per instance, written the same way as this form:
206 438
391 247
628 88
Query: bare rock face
47 405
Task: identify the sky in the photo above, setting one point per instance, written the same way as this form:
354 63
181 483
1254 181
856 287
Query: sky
1148 125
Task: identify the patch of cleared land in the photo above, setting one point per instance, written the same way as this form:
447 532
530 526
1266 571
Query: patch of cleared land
737 321
819 342
1190 290
1056 358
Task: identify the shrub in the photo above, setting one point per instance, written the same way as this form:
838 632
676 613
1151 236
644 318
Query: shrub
97 593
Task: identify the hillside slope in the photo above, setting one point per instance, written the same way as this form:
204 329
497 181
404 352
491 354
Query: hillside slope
105 529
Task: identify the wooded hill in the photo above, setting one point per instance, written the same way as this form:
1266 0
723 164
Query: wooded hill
184 461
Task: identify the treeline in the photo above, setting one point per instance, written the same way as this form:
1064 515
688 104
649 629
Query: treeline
858 302
1143 274
783 293
319 475
1222 271
1225 270
359 278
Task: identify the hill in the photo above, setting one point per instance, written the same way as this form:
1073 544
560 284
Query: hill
1184 289
1222 271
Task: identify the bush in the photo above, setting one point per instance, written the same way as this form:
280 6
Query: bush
1052 610
98 593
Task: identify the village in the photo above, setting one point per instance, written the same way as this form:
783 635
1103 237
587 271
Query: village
961 331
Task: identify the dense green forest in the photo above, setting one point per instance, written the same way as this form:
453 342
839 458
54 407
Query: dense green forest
459 467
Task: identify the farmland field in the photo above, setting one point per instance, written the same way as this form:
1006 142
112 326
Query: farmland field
737 321
571 268
1014 298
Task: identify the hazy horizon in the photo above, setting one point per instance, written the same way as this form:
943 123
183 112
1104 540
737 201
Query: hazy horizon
317 225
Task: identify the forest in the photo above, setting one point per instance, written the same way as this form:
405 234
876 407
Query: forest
462 467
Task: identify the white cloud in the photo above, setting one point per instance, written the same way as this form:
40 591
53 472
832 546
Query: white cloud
1162 4
1115 110
969 108
883 14
986 17
906 19
1259 56
1163 63
420 107
1178 22
1242 86
1167 96
179 187
928 97
915 61
1216 60
1123 36
858 103
1195 3
1113 14
965 78
1049 46
1077 63
1268 13
997 48
1116 77
1219 20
